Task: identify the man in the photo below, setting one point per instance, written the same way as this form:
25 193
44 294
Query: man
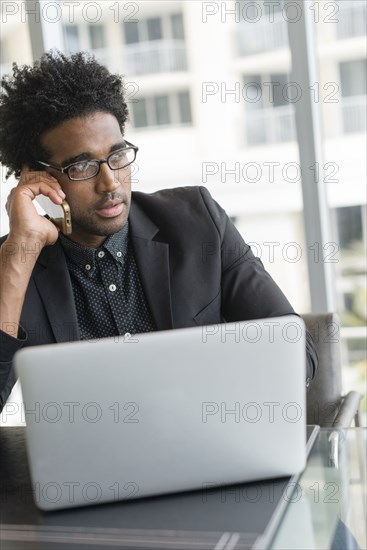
134 262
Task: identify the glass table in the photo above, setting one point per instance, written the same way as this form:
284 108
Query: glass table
327 505
318 510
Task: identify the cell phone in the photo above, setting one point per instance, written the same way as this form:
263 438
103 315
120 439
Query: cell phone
58 214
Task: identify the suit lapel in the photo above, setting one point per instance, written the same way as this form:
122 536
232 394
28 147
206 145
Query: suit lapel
54 285
152 258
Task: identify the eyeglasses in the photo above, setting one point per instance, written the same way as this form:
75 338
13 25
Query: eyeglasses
87 169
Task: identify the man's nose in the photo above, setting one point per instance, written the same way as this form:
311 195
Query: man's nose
107 179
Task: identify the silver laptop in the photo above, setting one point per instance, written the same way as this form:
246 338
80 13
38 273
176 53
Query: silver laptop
164 412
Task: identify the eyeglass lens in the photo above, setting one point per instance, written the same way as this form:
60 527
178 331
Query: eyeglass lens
88 169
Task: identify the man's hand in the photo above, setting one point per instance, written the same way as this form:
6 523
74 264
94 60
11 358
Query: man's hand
28 231
24 221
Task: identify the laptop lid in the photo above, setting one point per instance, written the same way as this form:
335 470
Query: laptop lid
163 412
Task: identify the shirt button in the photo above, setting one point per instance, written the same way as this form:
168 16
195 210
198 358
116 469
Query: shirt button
100 254
112 288
87 267
119 254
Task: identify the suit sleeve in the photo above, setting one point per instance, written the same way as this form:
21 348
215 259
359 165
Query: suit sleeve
9 346
248 291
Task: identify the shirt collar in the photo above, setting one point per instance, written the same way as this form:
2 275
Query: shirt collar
85 257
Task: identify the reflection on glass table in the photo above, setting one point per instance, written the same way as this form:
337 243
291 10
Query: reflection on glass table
327 508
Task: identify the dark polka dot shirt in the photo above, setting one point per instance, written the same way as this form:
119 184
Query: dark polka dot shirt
108 294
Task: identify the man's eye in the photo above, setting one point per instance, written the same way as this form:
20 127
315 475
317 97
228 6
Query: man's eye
81 166
119 155
83 170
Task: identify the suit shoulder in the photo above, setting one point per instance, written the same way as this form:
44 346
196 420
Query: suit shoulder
190 206
185 200
164 196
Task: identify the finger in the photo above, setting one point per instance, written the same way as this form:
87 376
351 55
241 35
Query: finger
31 178
49 189
52 192
27 175
41 186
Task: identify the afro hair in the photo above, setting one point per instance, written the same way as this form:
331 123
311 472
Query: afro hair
37 98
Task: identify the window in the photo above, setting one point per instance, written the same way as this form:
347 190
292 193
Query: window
269 108
254 92
353 79
352 18
349 223
185 107
351 234
163 110
279 90
154 28
177 26
162 115
258 9
262 26
97 37
71 36
167 27
131 32
139 109
155 45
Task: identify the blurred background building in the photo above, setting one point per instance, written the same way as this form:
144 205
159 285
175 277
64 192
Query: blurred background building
212 102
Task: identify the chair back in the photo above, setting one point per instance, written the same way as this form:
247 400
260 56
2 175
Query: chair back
324 397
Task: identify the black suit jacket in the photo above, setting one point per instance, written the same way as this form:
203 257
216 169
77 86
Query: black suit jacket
194 266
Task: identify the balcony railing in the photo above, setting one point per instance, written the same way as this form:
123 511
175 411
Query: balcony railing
354 114
273 125
156 56
262 36
352 18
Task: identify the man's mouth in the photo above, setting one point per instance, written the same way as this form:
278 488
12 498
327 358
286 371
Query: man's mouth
111 209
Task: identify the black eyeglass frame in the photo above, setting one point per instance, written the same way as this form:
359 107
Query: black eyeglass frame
65 169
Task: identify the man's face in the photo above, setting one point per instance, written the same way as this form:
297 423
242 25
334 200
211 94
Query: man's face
99 206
